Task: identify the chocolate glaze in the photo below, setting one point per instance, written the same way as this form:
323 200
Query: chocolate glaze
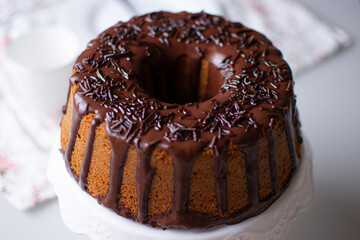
144 175
220 182
117 163
85 166
273 164
249 86
252 179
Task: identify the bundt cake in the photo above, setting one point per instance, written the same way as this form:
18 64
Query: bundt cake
181 120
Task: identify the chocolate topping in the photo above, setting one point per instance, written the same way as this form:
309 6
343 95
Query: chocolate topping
249 85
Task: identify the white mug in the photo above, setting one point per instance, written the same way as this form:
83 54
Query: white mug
40 64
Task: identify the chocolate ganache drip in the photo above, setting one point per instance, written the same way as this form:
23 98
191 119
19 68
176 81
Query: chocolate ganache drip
129 78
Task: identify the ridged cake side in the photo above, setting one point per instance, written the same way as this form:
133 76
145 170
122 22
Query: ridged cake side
202 196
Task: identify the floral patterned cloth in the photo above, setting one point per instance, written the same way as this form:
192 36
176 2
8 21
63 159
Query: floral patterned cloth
303 37
25 140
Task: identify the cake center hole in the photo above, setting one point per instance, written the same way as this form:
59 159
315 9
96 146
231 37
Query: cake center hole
182 80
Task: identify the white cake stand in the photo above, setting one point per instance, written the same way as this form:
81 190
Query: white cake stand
83 214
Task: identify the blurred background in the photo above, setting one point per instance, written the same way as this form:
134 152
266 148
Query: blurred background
40 39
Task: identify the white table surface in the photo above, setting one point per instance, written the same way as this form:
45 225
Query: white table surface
328 99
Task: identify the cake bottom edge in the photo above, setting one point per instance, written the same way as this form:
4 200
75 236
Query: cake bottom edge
83 214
